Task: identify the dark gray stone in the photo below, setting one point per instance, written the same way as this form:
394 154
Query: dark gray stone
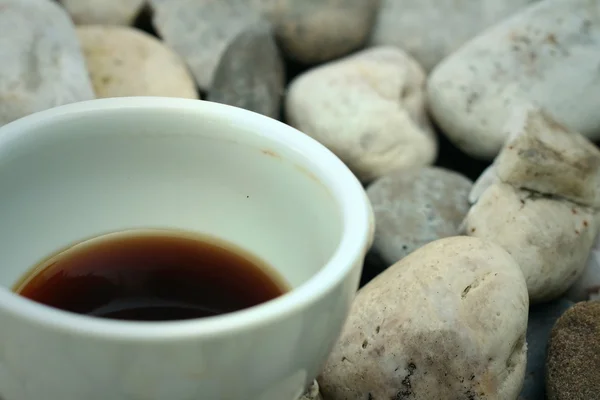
542 318
250 74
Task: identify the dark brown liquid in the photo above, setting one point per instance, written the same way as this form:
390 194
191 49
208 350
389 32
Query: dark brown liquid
151 276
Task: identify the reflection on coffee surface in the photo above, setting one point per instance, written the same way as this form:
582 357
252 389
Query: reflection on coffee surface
157 275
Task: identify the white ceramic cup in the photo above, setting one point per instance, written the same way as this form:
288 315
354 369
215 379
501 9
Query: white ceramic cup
90 168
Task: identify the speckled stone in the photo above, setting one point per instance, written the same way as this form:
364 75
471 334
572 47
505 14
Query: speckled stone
432 30
550 238
446 322
542 318
315 31
251 73
414 207
546 55
42 65
573 365
125 61
368 108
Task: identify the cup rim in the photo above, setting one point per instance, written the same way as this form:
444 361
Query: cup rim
356 237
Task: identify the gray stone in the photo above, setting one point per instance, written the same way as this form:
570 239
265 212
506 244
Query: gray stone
250 74
542 318
432 30
124 61
446 322
415 207
104 12
42 65
546 55
573 361
314 31
201 30
368 108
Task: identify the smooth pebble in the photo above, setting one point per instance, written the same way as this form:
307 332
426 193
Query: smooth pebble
125 61
546 55
446 322
368 108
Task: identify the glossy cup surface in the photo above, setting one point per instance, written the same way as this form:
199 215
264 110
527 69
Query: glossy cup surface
86 169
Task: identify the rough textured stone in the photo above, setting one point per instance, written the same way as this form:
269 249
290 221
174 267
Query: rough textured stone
251 74
546 157
573 365
104 12
432 30
447 322
547 55
542 318
125 61
201 30
368 108
415 207
550 239
313 31
42 65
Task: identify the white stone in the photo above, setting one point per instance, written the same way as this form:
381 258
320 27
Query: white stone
42 65
105 12
550 239
125 61
546 55
368 108
200 30
447 322
312 393
548 158
431 30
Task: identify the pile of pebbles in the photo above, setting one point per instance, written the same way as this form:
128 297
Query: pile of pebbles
472 125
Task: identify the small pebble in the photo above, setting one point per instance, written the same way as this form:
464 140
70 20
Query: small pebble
315 31
415 207
125 61
369 109
251 73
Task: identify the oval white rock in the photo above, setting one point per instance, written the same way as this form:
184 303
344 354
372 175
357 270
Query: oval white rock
549 238
431 32
368 108
42 65
546 55
447 322
125 61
